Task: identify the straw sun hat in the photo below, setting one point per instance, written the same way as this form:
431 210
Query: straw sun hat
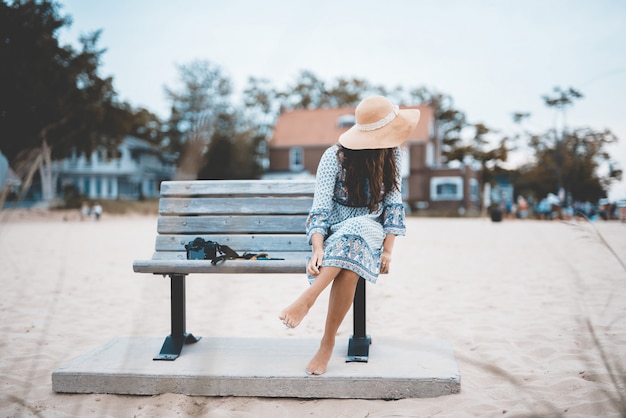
379 124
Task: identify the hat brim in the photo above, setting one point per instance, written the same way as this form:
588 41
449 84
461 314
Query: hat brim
389 136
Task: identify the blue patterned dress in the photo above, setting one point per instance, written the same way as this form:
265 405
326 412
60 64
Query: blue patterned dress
353 236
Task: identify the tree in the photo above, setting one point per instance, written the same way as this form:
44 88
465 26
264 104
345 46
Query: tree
149 127
232 152
52 100
449 122
311 92
560 102
344 92
488 156
566 158
573 163
261 104
215 139
196 106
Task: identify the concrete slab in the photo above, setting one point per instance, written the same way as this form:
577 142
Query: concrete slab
263 368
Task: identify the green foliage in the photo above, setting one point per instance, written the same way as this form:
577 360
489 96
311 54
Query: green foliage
232 154
50 92
567 158
310 92
214 139
147 126
204 93
562 98
572 163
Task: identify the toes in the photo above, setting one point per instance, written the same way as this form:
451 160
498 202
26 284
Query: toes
286 322
283 317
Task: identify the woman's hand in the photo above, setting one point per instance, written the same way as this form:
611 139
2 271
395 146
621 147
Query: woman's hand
317 242
313 268
385 260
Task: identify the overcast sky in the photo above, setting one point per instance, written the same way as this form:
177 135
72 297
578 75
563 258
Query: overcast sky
494 57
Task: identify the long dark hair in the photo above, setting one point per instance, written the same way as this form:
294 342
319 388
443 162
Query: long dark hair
370 175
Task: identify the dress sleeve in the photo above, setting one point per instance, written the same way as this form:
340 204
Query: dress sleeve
393 210
318 219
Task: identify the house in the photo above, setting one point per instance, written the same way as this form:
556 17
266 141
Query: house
135 173
300 137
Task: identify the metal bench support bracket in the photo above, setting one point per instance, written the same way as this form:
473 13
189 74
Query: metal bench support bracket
359 343
173 344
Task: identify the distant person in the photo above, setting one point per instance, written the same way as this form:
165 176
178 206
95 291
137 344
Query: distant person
97 211
522 207
85 211
356 214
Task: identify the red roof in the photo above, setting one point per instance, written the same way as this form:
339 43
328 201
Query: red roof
305 127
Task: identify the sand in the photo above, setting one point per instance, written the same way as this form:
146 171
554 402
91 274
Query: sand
517 300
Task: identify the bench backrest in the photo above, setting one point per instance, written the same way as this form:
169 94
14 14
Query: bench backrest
258 216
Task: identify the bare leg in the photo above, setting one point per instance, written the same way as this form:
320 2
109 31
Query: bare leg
294 313
341 297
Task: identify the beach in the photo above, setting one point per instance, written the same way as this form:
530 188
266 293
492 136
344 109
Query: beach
535 312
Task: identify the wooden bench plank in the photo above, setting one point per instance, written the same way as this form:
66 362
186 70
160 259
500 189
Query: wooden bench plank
239 243
237 187
286 224
235 205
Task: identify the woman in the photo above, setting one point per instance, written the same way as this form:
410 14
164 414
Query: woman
357 212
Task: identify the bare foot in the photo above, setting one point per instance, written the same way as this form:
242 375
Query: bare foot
293 314
318 364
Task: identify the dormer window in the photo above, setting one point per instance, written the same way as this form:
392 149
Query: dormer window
345 121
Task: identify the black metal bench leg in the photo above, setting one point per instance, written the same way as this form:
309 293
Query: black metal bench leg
173 344
359 344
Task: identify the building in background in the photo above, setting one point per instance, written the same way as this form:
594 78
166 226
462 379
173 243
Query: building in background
135 173
300 137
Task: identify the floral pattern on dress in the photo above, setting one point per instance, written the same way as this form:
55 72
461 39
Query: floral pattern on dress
393 219
317 222
353 253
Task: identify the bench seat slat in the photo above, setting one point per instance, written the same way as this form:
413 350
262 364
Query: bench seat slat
239 243
229 267
235 205
237 187
286 224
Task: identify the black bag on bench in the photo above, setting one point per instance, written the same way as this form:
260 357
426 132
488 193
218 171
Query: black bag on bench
201 249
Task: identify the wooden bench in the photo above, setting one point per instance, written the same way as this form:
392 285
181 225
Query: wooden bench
257 216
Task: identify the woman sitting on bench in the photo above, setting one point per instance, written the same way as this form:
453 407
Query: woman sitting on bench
357 212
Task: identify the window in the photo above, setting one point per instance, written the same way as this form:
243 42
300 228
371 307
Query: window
446 188
296 159
345 121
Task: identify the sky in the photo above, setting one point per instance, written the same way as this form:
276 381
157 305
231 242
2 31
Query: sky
494 57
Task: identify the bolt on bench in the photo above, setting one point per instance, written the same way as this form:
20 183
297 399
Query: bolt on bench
257 216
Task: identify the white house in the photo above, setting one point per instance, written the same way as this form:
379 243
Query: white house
136 173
